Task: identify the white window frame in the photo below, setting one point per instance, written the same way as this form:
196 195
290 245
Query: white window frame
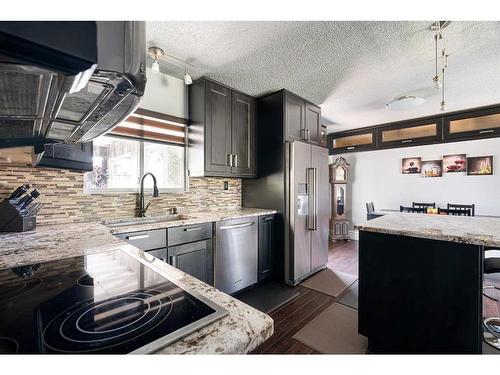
114 191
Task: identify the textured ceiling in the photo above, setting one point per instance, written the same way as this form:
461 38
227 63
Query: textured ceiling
351 69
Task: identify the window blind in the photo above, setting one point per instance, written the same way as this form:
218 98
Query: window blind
150 125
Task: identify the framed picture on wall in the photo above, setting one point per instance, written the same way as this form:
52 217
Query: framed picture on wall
411 165
454 163
432 168
480 166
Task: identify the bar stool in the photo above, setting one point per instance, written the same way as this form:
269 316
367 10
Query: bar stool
492 324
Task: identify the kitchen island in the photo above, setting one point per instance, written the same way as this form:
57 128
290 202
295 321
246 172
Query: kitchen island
420 282
242 329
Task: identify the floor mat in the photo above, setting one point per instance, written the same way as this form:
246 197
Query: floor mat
267 296
350 297
329 282
334 331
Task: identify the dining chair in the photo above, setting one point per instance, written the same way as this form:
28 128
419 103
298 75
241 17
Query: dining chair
370 207
423 205
454 206
454 212
417 210
491 265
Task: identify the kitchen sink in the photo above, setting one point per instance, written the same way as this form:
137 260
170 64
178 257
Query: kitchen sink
143 220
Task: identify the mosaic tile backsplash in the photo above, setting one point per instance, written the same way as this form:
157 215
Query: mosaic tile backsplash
65 201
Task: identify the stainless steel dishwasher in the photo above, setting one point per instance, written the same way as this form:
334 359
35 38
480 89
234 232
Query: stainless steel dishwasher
236 254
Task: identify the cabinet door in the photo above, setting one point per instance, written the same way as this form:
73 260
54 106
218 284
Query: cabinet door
352 141
295 123
480 124
411 134
313 124
195 259
218 128
243 135
159 253
76 157
266 245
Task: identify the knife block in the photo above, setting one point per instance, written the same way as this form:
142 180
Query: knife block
11 219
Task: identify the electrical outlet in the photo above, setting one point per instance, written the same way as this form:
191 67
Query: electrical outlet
226 185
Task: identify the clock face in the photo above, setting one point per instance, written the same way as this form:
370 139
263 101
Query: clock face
340 173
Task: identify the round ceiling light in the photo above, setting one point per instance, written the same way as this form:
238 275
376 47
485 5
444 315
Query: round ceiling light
404 103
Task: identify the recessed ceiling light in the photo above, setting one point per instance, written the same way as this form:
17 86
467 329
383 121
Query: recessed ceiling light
404 103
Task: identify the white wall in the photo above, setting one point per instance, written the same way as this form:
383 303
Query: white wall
376 176
165 94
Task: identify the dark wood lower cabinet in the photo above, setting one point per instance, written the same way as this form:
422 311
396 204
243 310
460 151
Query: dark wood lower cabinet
194 258
419 295
266 244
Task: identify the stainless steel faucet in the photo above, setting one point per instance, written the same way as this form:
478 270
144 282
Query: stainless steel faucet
156 193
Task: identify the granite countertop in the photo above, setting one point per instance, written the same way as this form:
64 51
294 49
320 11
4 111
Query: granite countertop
190 218
243 329
464 229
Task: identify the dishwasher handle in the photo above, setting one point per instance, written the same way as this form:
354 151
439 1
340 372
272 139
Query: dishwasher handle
242 225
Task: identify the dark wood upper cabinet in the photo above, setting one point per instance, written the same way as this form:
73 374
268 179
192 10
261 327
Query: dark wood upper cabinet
313 124
301 120
243 134
352 141
295 118
413 133
221 132
478 124
470 124
218 128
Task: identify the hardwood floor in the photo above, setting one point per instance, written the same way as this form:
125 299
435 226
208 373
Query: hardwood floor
292 316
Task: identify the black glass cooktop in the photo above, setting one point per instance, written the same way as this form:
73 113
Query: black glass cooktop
101 303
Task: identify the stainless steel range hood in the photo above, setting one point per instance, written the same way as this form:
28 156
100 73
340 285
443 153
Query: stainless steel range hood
70 82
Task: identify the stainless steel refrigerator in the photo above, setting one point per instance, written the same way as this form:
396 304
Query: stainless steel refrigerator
308 212
293 179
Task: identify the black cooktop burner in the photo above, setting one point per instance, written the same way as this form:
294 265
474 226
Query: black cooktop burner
101 303
8 345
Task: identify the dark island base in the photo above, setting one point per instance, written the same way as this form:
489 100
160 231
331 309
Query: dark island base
419 295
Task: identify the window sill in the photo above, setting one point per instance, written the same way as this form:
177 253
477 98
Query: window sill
147 191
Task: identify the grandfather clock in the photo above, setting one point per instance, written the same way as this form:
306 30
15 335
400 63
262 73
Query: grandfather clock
339 177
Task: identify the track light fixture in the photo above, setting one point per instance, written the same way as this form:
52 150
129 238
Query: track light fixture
156 53
438 80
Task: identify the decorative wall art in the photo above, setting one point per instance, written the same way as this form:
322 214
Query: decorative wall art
411 165
454 163
480 166
432 168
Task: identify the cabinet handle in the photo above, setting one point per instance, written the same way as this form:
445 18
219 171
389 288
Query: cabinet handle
173 260
407 141
237 226
235 160
486 131
191 229
267 219
351 147
308 136
229 160
303 135
138 237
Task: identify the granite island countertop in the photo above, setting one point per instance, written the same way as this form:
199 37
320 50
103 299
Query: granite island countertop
243 329
463 229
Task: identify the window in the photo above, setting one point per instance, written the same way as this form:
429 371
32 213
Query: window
120 162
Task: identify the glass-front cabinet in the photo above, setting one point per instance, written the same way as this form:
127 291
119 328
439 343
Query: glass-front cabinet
409 134
481 124
353 141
